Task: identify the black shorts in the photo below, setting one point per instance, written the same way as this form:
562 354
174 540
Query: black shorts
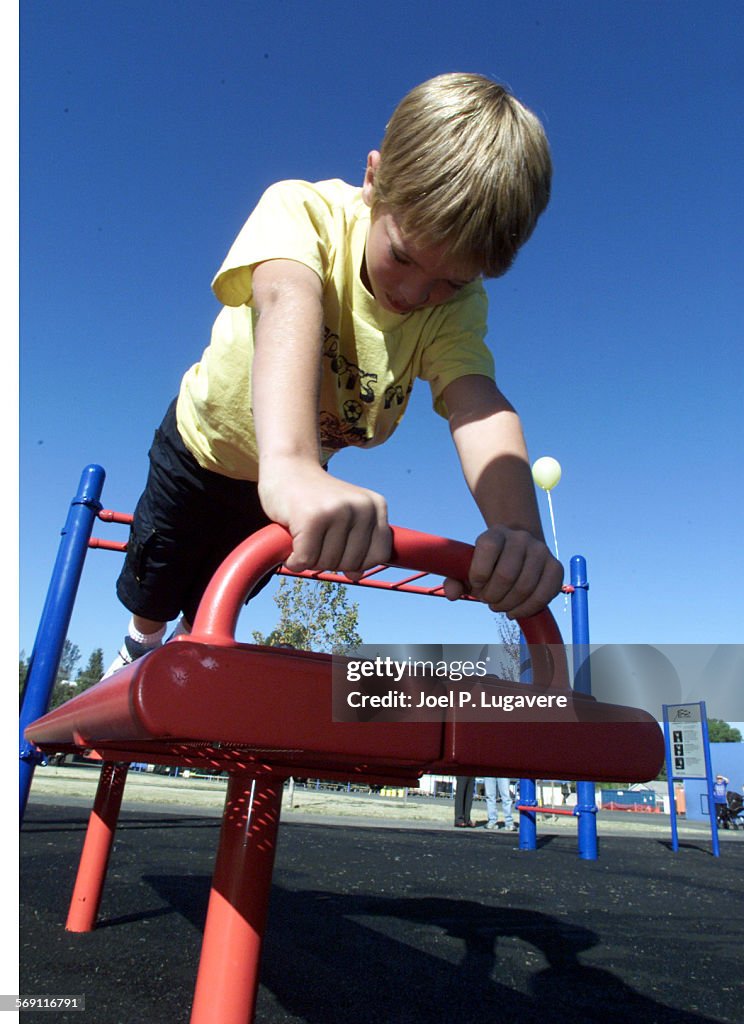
185 524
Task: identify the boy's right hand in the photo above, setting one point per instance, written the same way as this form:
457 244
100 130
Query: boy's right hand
335 526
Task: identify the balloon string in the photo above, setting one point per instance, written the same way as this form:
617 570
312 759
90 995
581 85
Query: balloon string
555 542
552 523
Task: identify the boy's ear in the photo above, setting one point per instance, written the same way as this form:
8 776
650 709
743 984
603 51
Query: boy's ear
368 186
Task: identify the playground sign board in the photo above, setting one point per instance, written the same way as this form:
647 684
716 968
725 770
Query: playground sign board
688 746
688 757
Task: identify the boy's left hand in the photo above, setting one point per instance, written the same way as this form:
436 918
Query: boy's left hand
512 571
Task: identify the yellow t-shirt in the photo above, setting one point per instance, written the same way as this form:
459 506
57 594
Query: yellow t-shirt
370 357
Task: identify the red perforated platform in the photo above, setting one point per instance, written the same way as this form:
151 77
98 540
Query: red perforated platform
258 708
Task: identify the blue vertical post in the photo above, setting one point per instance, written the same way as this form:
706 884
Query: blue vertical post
709 781
527 787
586 808
670 779
55 617
580 625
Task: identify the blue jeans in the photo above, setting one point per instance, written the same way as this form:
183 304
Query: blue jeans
506 800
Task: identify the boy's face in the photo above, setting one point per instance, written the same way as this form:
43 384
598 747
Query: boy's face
402 275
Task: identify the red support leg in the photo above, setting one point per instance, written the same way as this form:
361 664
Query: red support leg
86 896
227 981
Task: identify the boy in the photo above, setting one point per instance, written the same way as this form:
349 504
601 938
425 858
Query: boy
334 300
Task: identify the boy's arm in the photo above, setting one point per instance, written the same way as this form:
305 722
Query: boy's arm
334 525
512 569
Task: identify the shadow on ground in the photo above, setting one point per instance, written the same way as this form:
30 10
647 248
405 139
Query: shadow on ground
394 926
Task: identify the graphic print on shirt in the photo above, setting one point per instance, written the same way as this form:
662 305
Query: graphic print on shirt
348 374
338 433
396 394
352 428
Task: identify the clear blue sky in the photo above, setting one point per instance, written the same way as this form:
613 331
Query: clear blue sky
148 132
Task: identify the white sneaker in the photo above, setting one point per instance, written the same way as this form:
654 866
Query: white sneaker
130 651
121 659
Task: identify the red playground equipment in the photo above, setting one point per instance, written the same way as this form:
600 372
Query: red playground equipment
263 714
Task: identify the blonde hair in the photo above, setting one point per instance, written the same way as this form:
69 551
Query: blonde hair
465 163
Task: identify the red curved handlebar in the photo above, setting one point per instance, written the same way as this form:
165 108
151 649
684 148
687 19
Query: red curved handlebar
267 549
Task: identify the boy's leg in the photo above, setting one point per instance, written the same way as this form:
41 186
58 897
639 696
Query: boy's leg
146 626
137 644
187 521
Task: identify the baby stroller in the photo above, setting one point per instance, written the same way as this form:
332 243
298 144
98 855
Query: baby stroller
733 814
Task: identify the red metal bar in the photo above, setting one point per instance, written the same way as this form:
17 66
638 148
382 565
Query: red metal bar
409 579
99 838
107 545
544 810
318 575
228 977
404 585
217 617
391 585
107 515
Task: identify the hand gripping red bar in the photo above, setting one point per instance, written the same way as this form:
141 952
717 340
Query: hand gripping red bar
263 552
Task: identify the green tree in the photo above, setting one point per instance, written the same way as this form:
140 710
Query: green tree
22 673
92 672
314 617
62 689
66 684
510 663
722 732
68 661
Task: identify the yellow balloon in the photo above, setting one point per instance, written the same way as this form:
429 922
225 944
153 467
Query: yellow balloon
546 472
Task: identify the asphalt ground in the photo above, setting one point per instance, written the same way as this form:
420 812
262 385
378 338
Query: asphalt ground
378 921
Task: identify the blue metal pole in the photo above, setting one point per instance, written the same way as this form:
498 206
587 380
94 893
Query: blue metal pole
709 781
670 779
527 787
586 807
580 625
55 618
